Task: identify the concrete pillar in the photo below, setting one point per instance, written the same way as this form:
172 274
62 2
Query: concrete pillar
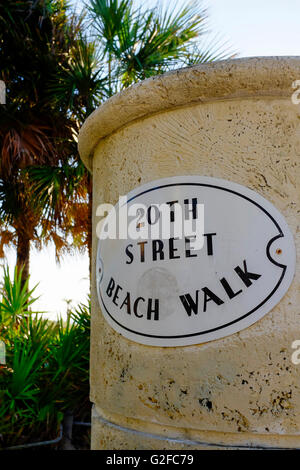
233 120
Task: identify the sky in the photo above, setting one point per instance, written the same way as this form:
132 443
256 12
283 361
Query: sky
250 28
258 27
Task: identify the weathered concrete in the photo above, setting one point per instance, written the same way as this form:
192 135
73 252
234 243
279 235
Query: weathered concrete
233 120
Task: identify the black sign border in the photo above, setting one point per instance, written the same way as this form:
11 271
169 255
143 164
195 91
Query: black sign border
284 267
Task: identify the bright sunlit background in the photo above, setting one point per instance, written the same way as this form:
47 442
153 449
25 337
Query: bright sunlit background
250 28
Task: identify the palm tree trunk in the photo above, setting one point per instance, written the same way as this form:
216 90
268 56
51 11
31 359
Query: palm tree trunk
23 254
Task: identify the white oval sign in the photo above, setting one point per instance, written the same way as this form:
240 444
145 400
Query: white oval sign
232 263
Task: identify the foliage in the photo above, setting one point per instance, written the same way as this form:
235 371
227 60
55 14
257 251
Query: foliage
16 299
46 369
35 42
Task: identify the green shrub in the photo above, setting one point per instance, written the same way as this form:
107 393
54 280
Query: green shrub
46 370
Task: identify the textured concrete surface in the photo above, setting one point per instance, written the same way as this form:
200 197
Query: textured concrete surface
262 76
139 435
234 120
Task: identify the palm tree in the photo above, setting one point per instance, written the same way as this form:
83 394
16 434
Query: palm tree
35 39
79 86
137 43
